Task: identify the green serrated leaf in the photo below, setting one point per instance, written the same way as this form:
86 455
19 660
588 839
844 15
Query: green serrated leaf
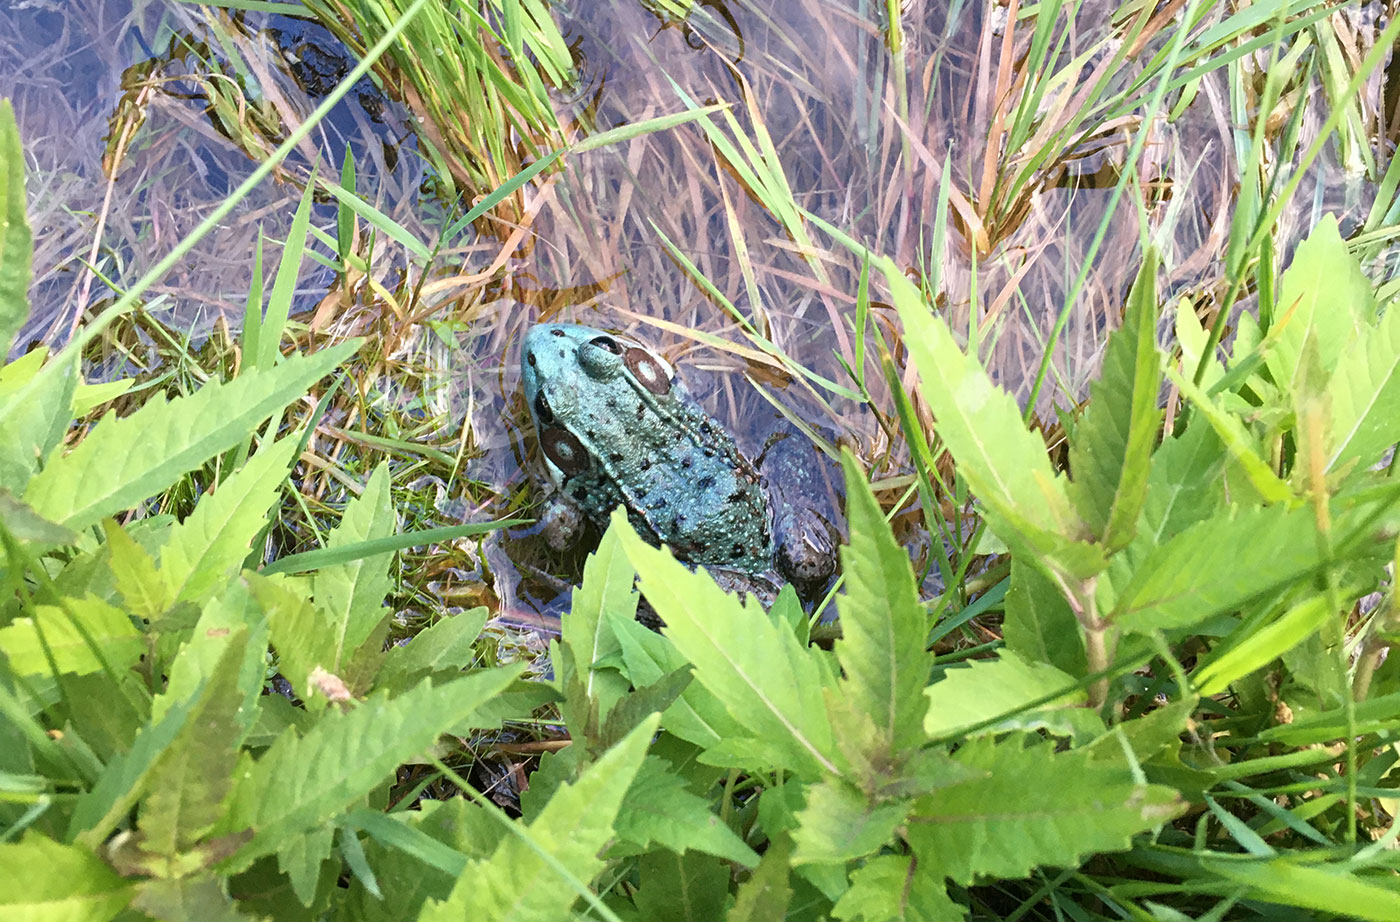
445 646
41 879
298 633
1004 463
124 779
16 244
985 689
143 591
1188 579
27 525
1323 299
301 782
766 894
641 702
767 680
585 635
143 453
302 857
883 627
692 887
698 717
840 824
1364 398
350 596
538 874
196 898
1113 442
1030 807
894 888
1040 626
190 779
660 810
224 618
209 546
31 425
108 629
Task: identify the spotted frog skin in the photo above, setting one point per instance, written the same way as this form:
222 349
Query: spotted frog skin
616 426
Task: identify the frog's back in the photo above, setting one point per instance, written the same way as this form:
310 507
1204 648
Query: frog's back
619 428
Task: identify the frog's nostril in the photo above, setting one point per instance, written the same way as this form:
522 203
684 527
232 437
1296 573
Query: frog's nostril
530 358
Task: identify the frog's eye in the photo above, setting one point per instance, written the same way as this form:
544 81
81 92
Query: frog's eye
647 370
608 343
566 452
542 411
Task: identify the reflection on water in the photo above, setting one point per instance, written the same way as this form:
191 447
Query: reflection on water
129 143
864 138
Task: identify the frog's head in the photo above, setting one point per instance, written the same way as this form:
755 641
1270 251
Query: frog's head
582 386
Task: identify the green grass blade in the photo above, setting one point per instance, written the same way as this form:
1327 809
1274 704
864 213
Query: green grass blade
333 556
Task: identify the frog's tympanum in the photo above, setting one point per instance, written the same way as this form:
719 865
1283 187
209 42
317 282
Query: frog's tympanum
617 427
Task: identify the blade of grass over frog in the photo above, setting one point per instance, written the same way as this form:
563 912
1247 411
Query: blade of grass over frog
68 356
592 142
1128 170
408 839
1374 57
325 557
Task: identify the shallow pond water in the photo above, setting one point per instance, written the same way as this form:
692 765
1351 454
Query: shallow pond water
816 78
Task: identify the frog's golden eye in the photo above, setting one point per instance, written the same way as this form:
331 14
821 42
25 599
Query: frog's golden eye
608 343
647 370
566 452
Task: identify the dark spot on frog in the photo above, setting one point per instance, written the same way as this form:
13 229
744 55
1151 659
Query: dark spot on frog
531 359
737 551
705 482
736 497
646 464
557 332
615 458
658 503
641 410
687 461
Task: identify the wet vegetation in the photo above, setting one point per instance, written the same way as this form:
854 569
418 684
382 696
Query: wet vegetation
1090 308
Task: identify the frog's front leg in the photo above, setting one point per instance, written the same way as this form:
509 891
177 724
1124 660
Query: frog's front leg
562 521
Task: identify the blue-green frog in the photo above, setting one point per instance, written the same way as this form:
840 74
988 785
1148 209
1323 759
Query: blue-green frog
617 427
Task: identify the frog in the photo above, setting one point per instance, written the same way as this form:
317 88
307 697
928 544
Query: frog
617 426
